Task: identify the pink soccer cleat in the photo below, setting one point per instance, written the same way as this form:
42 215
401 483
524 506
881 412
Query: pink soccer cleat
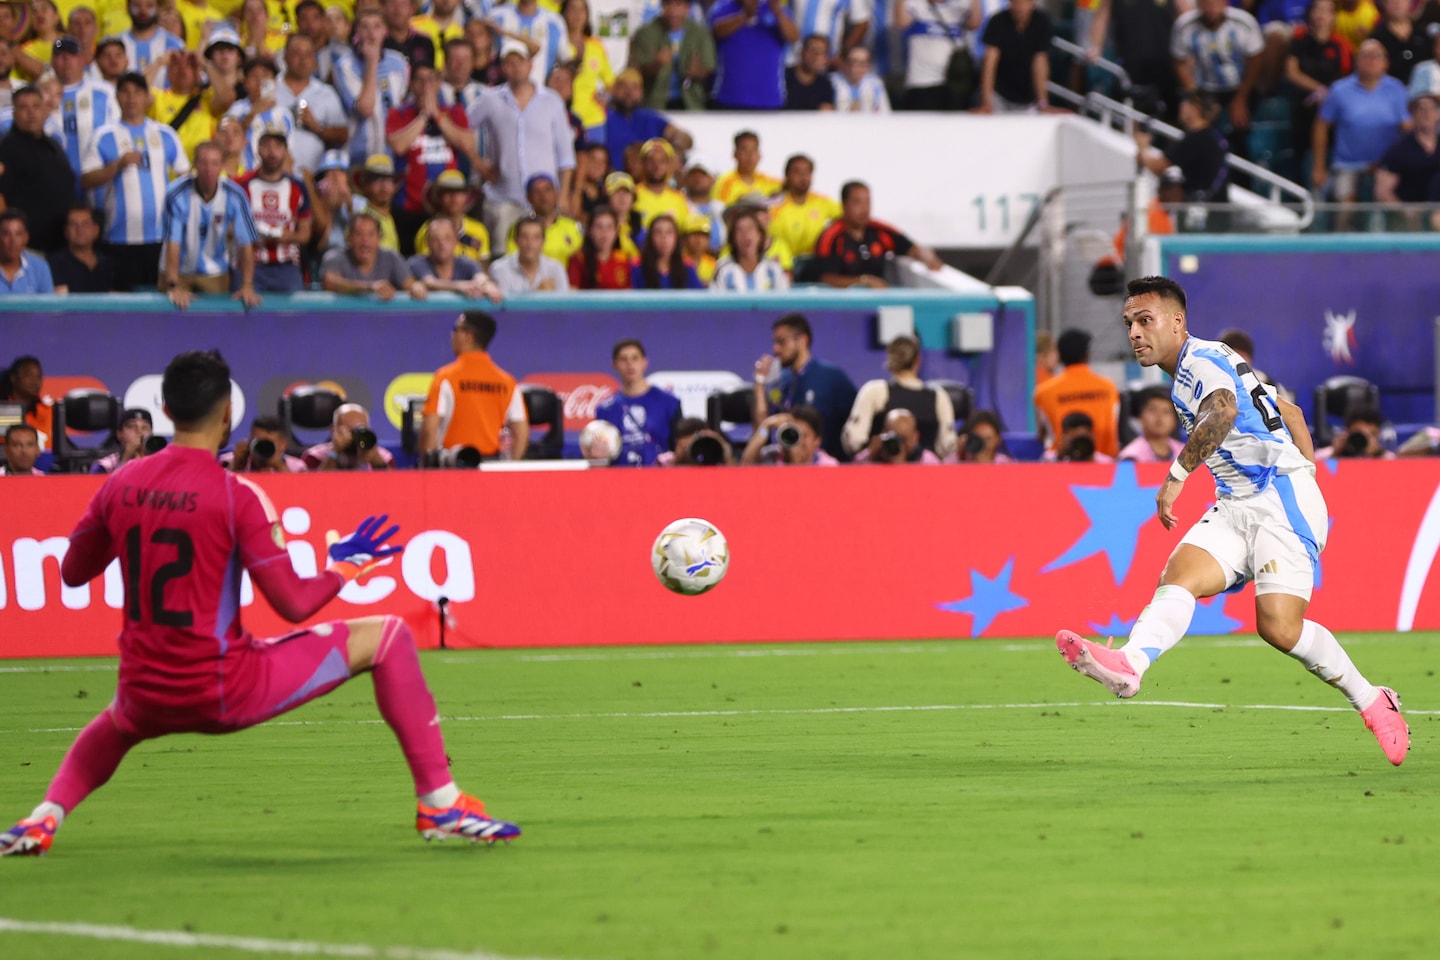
31 838
1383 719
1107 665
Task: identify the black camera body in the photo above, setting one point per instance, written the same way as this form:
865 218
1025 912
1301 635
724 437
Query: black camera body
1356 444
262 449
974 444
1080 449
363 439
706 450
154 444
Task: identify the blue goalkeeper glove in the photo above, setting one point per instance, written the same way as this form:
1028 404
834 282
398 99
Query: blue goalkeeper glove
364 549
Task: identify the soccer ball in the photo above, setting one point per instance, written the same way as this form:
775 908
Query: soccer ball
600 440
690 557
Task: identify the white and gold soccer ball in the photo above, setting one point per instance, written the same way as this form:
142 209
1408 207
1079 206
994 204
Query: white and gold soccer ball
600 440
690 557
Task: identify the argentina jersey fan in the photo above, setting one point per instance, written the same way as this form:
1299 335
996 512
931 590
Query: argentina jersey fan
1258 445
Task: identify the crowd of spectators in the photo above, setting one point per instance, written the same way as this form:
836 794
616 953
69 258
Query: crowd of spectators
207 148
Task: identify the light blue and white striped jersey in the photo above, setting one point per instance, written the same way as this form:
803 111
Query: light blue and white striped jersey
277 116
392 80
135 200
142 53
1217 56
84 108
867 96
544 27
825 17
1258 446
480 10
768 275
206 231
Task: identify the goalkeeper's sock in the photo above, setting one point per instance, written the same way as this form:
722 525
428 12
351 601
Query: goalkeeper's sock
408 707
446 796
1323 656
48 809
1162 624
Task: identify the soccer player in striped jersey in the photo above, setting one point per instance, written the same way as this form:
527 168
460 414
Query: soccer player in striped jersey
1269 523
206 218
281 208
85 105
183 529
133 161
146 41
747 269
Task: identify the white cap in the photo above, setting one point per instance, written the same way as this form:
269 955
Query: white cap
511 45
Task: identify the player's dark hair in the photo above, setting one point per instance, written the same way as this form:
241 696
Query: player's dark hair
1074 347
1075 420
1365 413
746 135
20 428
132 79
1238 340
267 423
1163 287
850 187
797 323
622 344
195 384
798 158
480 325
809 416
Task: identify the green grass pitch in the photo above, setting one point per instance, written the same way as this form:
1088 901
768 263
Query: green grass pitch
900 800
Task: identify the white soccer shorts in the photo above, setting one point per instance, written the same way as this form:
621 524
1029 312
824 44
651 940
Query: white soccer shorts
1274 537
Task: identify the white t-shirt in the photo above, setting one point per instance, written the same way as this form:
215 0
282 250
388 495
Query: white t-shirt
937 30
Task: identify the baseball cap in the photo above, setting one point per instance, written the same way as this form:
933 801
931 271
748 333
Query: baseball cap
135 413
1172 175
333 160
223 36
511 45
453 180
380 165
697 223
619 180
67 44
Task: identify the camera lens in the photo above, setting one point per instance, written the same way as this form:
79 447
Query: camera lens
1082 447
262 449
974 444
788 435
364 438
890 445
707 451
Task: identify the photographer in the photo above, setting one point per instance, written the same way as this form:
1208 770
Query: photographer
264 452
981 441
1077 442
933 412
796 440
696 445
135 435
1359 439
899 443
352 444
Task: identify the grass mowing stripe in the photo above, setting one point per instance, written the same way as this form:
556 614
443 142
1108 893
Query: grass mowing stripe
184 938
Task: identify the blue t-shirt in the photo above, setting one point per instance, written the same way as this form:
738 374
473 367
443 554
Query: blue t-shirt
751 61
1281 11
1365 122
621 131
646 424
667 281
32 277
825 387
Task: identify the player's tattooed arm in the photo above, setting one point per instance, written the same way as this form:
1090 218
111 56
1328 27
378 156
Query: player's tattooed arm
1216 417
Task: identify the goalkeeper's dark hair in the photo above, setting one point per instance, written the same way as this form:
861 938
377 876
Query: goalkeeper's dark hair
196 383
480 325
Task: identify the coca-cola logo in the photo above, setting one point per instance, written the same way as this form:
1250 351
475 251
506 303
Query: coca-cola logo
581 393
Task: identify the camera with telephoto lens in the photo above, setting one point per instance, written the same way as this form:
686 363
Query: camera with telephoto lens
154 444
453 458
362 439
788 435
1081 448
1357 444
262 450
706 450
891 447
974 444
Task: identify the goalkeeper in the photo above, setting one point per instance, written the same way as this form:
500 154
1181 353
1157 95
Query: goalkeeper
183 529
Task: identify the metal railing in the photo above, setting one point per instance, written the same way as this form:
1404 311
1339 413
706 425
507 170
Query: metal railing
1079 54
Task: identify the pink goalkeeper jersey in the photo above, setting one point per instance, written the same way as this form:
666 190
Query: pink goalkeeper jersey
184 529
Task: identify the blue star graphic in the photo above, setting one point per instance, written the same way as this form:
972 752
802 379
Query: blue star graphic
988 598
1211 619
1116 514
1115 628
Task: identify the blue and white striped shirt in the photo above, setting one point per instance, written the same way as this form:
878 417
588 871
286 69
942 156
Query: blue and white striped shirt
205 230
142 53
825 17
1258 446
1217 56
279 117
392 82
544 27
868 96
135 200
84 108
768 275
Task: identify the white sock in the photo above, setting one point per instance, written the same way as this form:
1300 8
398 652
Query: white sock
48 809
1161 625
1323 656
444 797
